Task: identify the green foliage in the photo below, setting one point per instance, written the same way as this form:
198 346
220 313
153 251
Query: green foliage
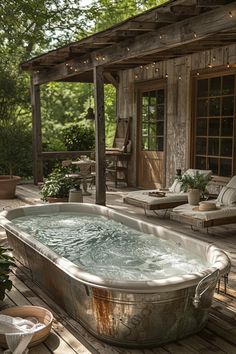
196 181
6 262
79 137
29 27
58 184
15 148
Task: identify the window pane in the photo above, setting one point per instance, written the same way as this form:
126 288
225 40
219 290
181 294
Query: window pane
160 144
227 126
202 108
201 146
145 113
145 99
201 163
144 143
160 96
228 106
160 128
201 127
215 86
226 147
213 165
213 146
152 130
152 113
214 127
226 167
202 88
144 129
153 143
160 112
228 85
214 107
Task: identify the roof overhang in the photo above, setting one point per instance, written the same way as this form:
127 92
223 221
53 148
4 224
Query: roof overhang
175 29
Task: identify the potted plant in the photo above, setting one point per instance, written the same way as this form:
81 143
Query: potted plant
6 262
57 186
195 184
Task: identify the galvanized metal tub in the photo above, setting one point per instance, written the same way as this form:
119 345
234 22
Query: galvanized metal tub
125 313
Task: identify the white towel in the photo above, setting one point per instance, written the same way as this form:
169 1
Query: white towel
18 332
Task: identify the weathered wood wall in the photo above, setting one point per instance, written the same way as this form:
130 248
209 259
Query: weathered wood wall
178 102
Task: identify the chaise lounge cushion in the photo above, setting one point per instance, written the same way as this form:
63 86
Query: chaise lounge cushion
227 196
145 198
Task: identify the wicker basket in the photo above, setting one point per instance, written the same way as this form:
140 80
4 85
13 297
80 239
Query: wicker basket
43 316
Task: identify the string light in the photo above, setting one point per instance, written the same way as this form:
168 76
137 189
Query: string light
136 76
67 64
128 49
147 67
230 14
180 78
166 75
157 69
228 65
97 58
141 66
160 36
209 65
198 73
103 58
194 34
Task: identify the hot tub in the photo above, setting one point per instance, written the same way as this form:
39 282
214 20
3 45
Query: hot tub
134 313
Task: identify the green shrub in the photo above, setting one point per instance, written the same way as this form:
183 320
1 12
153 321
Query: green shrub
58 184
79 137
15 149
6 262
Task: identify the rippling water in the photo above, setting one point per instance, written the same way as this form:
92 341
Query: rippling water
109 249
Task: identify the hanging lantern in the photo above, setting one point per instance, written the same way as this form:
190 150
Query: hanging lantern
90 114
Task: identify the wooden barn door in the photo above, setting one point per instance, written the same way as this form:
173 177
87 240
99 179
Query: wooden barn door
151 133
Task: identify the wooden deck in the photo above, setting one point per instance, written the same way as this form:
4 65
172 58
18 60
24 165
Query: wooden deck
69 337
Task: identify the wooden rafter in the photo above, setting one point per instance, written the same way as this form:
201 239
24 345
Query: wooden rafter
191 30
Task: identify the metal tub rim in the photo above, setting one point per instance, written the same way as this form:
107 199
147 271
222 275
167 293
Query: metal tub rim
218 258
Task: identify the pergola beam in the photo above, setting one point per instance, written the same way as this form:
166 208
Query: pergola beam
172 36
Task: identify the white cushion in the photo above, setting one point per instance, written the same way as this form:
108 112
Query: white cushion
176 187
144 197
227 196
222 212
232 182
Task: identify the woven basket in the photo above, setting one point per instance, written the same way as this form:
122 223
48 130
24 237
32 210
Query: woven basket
43 316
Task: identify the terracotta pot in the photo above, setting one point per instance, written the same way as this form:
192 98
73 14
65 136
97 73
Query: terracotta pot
193 196
8 186
56 200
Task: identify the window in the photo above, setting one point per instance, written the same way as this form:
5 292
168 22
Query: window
214 124
153 114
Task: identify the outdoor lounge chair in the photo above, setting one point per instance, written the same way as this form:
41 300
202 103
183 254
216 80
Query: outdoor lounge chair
225 212
152 200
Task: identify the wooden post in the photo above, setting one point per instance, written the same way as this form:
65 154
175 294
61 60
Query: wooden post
100 135
37 133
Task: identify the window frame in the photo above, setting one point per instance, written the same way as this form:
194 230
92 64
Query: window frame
195 77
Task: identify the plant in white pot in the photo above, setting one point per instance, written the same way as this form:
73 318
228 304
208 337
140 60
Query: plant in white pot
57 186
195 184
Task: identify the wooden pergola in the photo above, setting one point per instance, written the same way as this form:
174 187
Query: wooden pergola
174 29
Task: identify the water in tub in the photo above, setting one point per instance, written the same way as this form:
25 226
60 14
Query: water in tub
109 249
